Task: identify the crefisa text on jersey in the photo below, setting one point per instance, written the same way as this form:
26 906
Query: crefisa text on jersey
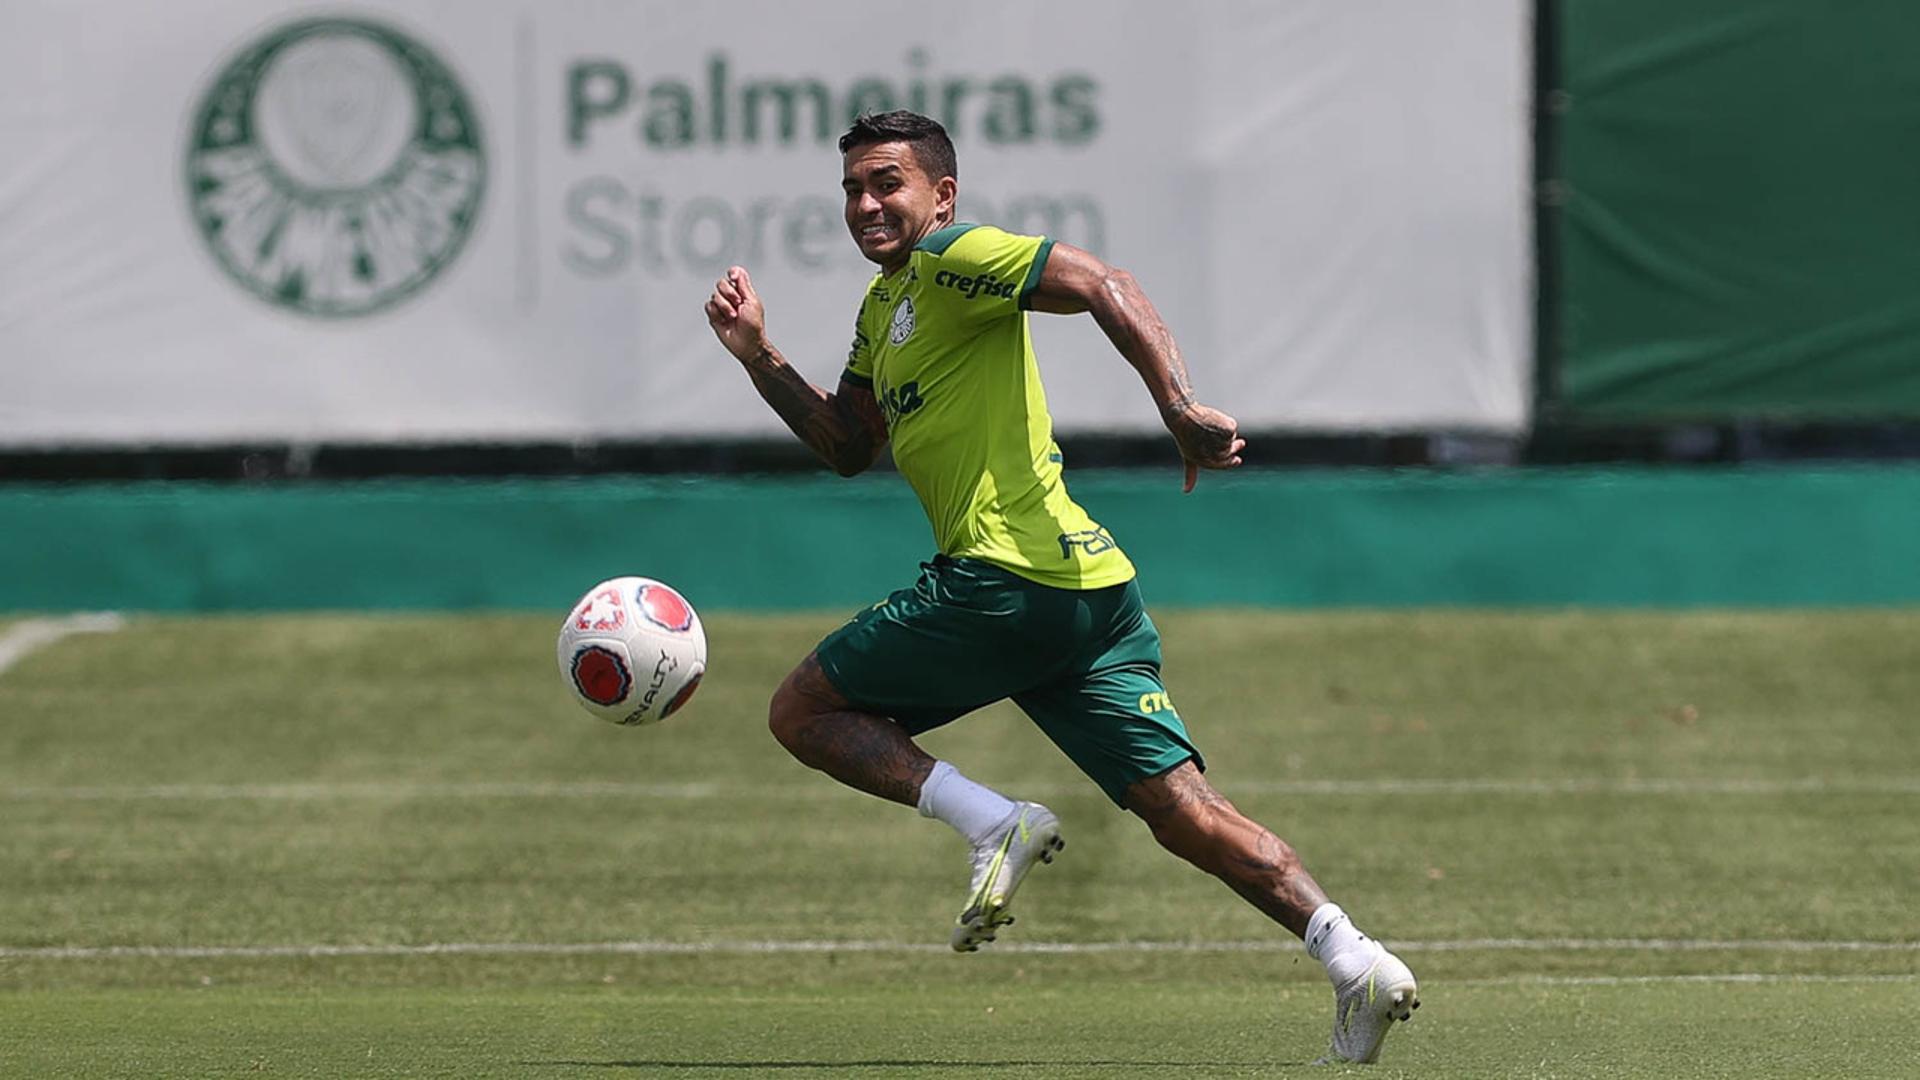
974 286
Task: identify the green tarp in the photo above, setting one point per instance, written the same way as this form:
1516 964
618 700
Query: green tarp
1738 222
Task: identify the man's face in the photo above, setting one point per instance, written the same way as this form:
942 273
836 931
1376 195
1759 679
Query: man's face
891 202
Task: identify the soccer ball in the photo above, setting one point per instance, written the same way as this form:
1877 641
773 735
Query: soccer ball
632 650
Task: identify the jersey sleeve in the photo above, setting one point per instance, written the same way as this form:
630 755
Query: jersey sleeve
989 273
859 369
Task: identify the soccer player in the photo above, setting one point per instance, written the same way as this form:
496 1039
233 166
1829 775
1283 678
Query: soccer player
1028 598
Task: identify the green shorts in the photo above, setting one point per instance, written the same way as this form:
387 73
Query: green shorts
1085 665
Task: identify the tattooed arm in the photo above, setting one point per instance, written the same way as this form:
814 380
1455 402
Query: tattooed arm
845 429
1075 281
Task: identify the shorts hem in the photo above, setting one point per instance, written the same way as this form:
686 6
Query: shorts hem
1118 791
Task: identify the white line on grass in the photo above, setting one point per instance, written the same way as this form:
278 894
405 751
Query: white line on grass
1639 980
382 790
22 638
596 789
1657 945
745 948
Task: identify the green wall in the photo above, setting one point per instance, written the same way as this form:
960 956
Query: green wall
1647 537
1738 231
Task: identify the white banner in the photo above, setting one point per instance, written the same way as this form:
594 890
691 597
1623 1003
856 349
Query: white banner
419 221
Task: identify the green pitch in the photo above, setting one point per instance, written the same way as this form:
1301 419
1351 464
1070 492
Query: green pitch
1610 845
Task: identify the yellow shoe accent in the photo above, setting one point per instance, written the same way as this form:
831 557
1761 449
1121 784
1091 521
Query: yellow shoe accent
1366 1007
1032 834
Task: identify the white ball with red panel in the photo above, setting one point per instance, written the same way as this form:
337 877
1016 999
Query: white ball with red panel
632 650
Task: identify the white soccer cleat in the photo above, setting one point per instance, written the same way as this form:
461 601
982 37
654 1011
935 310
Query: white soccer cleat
1028 834
1367 1004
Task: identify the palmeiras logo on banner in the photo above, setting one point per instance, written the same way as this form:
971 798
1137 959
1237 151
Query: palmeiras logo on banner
335 166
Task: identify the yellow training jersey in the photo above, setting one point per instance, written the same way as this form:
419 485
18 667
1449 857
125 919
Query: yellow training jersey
943 343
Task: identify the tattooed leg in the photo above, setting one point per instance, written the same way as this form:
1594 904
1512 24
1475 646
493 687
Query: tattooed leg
1197 823
818 726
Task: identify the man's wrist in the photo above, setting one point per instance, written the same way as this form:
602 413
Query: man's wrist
765 359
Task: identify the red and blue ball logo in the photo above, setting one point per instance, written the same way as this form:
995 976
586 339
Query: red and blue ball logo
680 698
601 675
664 607
600 612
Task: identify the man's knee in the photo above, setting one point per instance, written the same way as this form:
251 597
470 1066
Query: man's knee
1178 803
789 713
1193 828
783 719
802 697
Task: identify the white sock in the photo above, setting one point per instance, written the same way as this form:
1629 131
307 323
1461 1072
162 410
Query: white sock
972 809
1333 940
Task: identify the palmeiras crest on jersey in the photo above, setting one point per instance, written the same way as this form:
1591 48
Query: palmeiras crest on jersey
902 327
664 607
335 166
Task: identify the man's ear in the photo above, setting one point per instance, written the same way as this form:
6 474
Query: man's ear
946 191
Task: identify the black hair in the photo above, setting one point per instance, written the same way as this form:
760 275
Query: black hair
931 146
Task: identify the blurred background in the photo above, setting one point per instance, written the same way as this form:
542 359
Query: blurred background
1562 616
398 304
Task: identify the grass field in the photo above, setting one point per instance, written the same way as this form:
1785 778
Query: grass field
1611 845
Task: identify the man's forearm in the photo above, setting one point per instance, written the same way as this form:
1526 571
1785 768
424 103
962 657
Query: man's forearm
1130 321
1075 281
822 422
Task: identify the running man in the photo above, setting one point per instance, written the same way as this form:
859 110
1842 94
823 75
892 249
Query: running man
1028 598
